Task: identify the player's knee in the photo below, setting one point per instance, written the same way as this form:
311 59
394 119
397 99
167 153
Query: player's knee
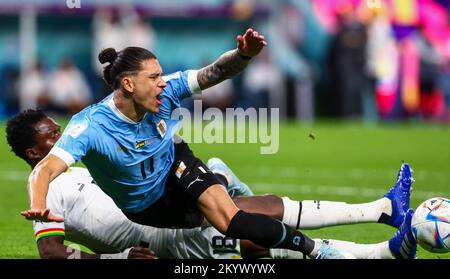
217 207
221 221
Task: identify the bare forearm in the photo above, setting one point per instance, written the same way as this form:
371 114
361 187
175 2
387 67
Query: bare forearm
41 176
227 66
38 187
65 252
52 247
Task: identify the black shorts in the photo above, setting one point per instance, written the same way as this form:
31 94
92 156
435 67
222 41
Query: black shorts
177 207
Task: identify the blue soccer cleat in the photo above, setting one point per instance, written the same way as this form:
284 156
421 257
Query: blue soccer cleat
235 186
403 245
399 196
328 252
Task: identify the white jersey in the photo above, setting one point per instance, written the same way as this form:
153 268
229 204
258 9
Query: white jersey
92 219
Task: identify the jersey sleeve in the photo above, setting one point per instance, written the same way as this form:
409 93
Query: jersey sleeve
55 204
74 142
180 85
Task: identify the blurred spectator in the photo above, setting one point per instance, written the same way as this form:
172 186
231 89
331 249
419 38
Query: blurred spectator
138 30
431 99
107 32
382 59
408 100
220 95
261 79
348 64
444 80
286 30
382 65
33 87
9 91
68 90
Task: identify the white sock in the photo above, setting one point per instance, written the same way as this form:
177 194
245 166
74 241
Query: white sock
360 251
276 253
317 214
291 215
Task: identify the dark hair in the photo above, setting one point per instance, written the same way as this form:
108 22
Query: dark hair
20 131
126 61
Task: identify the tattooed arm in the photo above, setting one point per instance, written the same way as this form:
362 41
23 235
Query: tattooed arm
232 62
227 66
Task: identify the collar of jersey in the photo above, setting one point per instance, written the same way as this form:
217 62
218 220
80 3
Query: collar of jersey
119 114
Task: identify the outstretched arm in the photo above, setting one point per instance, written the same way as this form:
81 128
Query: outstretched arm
41 176
232 62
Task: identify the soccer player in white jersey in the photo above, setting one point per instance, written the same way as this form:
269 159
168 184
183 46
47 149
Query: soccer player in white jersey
93 220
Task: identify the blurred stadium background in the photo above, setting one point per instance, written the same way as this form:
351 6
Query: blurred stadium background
361 85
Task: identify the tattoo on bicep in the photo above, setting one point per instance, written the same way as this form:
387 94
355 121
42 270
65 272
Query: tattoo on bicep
227 66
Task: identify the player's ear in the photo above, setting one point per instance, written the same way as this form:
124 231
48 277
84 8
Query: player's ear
32 154
127 84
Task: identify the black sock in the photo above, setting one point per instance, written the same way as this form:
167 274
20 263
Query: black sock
268 232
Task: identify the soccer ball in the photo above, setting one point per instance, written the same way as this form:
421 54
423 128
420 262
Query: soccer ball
431 225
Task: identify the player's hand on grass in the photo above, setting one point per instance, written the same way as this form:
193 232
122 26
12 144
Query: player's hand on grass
251 43
41 214
141 253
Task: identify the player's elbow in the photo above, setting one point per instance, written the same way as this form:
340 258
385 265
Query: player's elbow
47 169
41 170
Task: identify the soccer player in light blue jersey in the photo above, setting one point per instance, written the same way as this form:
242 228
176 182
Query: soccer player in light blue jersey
126 142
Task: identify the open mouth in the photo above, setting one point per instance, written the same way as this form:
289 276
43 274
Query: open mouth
158 99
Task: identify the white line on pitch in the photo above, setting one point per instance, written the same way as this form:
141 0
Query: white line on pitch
337 190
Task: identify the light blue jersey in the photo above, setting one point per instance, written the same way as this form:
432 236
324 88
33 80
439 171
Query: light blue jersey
129 160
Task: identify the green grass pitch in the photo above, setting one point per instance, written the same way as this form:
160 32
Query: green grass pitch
328 161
